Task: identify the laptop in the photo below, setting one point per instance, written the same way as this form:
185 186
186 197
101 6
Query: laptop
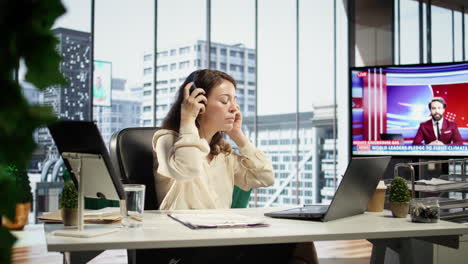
354 192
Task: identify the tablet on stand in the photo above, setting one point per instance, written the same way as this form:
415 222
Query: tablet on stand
81 146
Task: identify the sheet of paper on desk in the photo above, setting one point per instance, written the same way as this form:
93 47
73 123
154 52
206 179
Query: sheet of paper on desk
434 181
103 212
106 215
216 220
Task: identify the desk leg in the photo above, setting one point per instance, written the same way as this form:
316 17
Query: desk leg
81 257
378 252
131 256
401 251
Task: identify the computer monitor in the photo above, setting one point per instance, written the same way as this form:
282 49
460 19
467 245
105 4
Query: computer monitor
81 139
389 101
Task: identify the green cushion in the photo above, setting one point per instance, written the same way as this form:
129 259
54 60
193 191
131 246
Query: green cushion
95 204
240 198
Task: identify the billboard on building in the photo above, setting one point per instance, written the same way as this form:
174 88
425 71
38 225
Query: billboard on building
102 81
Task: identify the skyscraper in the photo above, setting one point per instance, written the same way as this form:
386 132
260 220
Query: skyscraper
72 101
310 180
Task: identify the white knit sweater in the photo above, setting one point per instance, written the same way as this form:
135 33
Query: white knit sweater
185 179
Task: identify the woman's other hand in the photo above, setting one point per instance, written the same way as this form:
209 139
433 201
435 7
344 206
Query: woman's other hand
236 133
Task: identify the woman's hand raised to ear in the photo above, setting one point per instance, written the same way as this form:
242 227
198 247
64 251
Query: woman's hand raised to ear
236 133
192 105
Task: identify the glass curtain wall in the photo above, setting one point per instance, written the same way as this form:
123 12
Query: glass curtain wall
316 99
277 98
445 27
441 34
409 24
119 53
457 21
282 58
280 52
232 50
181 49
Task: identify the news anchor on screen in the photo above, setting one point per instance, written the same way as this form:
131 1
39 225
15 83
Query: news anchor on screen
437 130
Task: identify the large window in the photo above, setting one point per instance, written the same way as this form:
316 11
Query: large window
126 48
442 37
233 44
457 36
276 94
409 44
181 41
282 54
442 30
316 99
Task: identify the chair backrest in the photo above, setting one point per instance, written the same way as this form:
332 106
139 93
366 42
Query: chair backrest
132 154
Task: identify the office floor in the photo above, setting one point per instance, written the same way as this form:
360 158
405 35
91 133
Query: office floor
29 250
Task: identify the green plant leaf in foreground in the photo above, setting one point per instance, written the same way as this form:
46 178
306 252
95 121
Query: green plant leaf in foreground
6 244
26 35
7 194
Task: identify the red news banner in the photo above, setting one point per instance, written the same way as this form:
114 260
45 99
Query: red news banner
366 145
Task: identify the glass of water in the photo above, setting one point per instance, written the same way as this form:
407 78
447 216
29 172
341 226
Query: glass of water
132 211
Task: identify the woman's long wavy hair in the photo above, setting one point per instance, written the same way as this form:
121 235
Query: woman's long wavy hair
207 80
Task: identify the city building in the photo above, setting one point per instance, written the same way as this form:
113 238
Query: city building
176 63
276 137
71 101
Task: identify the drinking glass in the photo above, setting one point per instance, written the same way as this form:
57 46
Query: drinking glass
132 213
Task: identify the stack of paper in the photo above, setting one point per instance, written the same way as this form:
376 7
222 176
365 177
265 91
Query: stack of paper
437 185
216 220
106 215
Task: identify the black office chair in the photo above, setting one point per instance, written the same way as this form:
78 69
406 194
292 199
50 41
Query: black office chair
131 153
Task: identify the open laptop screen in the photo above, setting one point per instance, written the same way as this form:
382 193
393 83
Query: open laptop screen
357 186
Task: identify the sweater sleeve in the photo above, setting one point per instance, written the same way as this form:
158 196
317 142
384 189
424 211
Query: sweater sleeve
180 156
252 169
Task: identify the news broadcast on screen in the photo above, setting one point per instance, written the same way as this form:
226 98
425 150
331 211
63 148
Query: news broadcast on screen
410 110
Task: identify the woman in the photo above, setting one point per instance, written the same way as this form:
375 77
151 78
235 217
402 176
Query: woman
197 168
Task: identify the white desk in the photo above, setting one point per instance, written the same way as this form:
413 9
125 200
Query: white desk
160 231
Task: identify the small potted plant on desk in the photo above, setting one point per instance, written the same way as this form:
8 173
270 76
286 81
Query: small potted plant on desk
23 199
68 203
399 197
